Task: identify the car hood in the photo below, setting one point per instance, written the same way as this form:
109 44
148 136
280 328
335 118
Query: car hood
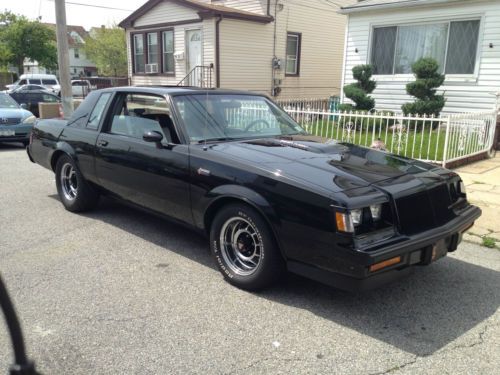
331 166
19 113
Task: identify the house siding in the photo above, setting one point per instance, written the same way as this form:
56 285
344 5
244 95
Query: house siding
246 51
463 94
164 12
255 6
207 27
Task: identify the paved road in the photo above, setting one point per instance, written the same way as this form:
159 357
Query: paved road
117 291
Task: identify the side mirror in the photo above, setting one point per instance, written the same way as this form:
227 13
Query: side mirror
23 106
152 136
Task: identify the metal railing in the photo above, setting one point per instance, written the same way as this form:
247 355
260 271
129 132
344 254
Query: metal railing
199 76
441 140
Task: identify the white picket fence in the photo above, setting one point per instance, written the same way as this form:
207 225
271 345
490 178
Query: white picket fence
440 140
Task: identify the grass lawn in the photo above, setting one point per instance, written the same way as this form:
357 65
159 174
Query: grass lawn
426 145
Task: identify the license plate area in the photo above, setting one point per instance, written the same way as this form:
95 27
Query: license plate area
7 133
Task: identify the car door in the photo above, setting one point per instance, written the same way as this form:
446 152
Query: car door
155 176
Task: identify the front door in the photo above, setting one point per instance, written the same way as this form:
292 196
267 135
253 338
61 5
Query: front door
193 46
155 177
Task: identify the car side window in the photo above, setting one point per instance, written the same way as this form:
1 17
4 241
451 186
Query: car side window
98 111
35 81
137 113
49 98
22 82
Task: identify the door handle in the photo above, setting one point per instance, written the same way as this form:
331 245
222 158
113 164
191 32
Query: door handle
102 143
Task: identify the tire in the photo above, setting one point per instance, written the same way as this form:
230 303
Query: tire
253 260
75 193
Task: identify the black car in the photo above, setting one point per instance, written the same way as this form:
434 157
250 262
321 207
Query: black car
31 99
269 196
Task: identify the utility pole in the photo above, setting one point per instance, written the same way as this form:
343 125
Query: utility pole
63 58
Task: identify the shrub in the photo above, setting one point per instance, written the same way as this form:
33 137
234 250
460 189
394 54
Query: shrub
424 88
358 91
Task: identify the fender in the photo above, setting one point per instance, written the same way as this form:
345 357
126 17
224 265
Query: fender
224 193
62 147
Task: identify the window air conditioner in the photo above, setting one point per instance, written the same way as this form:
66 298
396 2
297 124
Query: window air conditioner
151 68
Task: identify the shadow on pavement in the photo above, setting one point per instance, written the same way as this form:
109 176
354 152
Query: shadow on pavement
419 314
11 146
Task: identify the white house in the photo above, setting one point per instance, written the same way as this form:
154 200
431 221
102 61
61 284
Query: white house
462 35
281 47
79 64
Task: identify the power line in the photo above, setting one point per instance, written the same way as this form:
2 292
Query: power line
97 6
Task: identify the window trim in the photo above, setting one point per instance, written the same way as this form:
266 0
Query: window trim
450 78
144 34
299 50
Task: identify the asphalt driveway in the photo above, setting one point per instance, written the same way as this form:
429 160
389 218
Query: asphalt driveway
117 291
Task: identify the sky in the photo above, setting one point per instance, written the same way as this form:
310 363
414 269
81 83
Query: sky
86 16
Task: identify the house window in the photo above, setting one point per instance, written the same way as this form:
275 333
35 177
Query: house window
452 44
293 41
138 53
152 48
77 53
168 51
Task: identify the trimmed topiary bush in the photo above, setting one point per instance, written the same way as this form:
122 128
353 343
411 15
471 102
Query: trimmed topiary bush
358 92
424 88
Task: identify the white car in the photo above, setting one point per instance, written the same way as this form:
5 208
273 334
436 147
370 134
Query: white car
81 87
47 80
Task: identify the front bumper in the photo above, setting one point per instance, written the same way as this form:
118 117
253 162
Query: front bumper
420 249
21 133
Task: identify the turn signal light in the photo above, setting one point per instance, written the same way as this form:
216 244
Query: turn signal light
344 222
384 264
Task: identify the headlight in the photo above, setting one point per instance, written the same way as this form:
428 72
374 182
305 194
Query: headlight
461 188
357 216
29 120
362 220
376 210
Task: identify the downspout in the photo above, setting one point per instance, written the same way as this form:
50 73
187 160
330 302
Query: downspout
217 52
273 71
268 7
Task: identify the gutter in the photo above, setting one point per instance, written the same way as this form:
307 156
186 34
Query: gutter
217 52
401 4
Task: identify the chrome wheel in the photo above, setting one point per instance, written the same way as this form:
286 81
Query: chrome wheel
241 246
69 181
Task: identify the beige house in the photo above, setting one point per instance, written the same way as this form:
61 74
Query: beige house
285 48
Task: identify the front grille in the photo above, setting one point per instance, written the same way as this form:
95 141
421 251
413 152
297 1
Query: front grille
9 120
424 210
415 213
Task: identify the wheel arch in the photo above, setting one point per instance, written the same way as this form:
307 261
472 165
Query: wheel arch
62 148
230 194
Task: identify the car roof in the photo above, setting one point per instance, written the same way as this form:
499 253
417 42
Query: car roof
179 90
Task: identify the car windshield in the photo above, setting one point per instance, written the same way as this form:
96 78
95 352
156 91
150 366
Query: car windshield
217 117
7 102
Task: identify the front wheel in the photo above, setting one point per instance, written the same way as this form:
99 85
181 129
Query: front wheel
244 248
75 193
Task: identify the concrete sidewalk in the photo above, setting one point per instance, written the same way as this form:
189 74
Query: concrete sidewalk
482 180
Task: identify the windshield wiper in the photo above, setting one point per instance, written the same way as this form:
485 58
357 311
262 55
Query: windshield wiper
217 139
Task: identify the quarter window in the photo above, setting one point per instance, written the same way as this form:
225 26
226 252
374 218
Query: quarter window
293 41
168 51
452 44
95 116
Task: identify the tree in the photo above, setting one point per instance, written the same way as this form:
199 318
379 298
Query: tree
22 39
358 92
108 50
428 79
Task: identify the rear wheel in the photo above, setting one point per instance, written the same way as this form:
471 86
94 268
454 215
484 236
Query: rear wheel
244 248
75 193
